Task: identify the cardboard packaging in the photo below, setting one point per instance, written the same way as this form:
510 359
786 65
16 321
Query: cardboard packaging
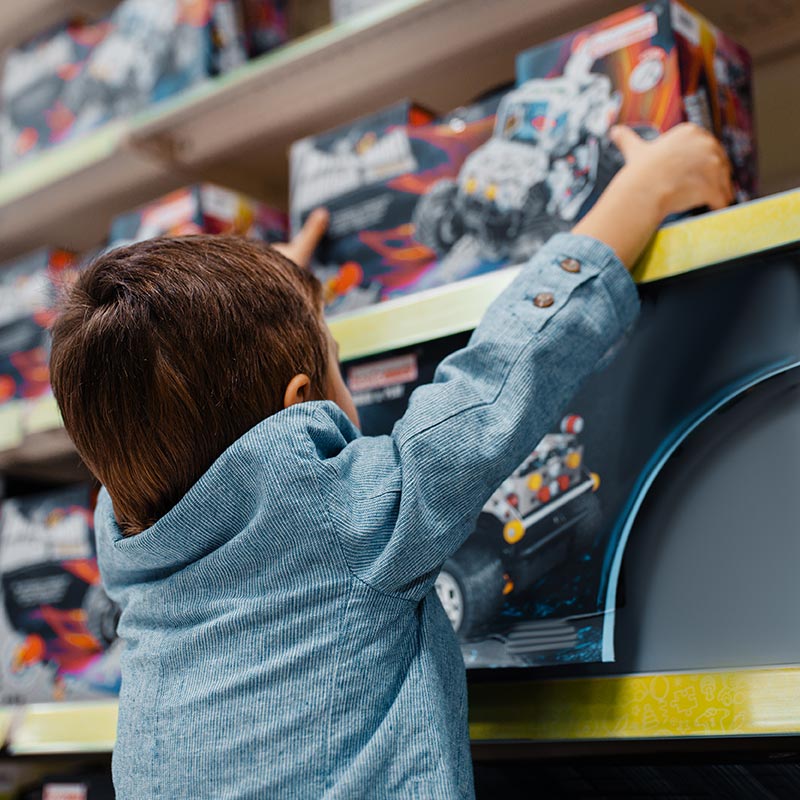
28 290
200 208
57 625
370 175
549 159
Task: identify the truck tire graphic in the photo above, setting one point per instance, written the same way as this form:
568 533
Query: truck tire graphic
470 588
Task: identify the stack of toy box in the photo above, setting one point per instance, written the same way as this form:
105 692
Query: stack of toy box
201 208
28 287
57 625
371 175
422 223
81 74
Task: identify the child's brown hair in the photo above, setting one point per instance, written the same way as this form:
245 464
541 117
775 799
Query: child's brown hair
165 352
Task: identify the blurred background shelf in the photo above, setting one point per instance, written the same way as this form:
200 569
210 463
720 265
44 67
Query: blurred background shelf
440 52
67 196
20 19
57 728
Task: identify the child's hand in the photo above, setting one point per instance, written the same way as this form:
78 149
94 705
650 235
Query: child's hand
686 166
683 168
302 246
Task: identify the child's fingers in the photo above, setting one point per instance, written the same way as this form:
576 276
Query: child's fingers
626 140
302 247
306 241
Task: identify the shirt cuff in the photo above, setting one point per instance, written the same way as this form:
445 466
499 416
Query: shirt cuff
594 258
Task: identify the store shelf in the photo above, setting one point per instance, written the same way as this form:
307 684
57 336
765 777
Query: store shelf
660 706
746 702
41 728
236 129
441 52
681 247
67 196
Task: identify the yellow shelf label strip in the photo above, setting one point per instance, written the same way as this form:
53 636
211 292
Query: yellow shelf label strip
88 727
747 702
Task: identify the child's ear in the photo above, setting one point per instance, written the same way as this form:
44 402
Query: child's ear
298 390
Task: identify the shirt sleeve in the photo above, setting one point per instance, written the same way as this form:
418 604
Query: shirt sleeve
403 504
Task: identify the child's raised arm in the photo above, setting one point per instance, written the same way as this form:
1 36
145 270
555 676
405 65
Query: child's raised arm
403 504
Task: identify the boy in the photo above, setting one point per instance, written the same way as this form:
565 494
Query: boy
274 568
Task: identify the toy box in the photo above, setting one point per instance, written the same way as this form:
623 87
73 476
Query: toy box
57 626
28 288
265 25
370 175
201 208
80 74
549 158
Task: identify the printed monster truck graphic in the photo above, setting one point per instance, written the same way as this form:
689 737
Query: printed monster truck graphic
543 514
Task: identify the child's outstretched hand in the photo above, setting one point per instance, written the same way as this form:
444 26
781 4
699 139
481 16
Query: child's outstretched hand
302 246
684 168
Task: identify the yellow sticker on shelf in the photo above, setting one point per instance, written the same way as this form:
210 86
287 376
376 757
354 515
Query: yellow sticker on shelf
755 701
42 414
64 728
10 425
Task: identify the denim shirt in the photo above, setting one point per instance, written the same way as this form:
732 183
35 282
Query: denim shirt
283 636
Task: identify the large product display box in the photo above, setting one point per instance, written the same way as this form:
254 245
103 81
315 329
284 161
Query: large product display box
28 287
57 625
370 175
81 74
201 208
541 578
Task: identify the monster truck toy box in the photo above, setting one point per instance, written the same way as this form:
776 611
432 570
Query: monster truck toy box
549 157
81 74
200 208
370 175
57 625
651 66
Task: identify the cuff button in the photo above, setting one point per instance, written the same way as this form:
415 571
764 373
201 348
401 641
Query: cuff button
544 300
570 265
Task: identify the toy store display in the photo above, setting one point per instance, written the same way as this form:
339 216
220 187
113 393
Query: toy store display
540 579
370 175
27 295
201 208
81 74
57 626
404 219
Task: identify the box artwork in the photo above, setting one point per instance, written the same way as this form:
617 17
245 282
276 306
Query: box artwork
549 158
202 208
28 289
81 74
371 175
58 627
